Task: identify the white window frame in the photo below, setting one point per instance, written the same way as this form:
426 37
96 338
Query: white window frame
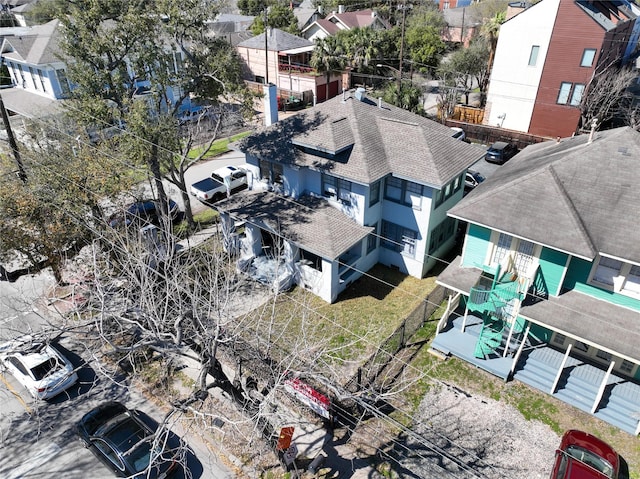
620 278
501 247
588 56
533 55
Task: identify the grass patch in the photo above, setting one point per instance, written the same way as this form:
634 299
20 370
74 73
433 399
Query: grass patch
219 146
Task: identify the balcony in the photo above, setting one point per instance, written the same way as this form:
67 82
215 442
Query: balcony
295 68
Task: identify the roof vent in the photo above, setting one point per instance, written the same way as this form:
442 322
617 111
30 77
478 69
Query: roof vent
361 94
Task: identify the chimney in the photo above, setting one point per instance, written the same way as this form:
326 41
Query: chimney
270 104
373 14
340 8
379 102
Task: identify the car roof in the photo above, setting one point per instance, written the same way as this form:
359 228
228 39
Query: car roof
499 145
225 170
36 357
591 443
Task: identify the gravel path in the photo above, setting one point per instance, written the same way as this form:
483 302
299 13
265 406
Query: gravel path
494 439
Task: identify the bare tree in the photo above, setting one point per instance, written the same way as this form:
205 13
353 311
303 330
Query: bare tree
608 98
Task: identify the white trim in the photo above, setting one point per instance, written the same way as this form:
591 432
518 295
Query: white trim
563 275
555 248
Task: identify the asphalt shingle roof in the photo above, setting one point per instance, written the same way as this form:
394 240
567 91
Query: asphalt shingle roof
384 139
277 41
37 46
576 196
309 222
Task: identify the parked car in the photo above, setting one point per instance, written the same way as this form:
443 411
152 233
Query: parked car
143 213
119 438
40 367
472 179
215 187
584 456
458 133
500 152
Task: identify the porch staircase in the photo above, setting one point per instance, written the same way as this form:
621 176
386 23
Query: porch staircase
490 338
579 385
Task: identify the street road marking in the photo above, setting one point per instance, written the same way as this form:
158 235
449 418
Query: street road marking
15 393
42 457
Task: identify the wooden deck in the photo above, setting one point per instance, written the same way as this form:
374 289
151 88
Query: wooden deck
538 367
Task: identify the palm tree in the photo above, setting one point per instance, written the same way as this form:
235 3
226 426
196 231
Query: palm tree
362 43
328 56
490 30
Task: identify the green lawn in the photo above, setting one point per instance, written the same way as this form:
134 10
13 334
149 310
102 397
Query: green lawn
220 146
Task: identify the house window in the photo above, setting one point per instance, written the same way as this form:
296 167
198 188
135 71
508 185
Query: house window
605 356
521 252
533 56
336 188
576 95
177 62
559 339
632 281
626 366
618 276
312 260
372 239
563 95
398 238
33 77
580 346
607 270
502 248
64 82
42 82
403 192
441 234
272 172
374 193
449 190
588 56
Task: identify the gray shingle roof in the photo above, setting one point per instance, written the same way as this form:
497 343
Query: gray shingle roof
385 140
277 40
36 47
571 195
309 222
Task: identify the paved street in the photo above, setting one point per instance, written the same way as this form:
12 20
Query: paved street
37 439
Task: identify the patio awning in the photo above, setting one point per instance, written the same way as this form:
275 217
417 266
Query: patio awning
605 325
308 222
457 278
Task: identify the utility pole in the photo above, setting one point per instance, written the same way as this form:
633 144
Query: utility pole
399 89
12 141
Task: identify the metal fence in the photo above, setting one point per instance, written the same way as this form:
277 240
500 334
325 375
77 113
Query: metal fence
374 366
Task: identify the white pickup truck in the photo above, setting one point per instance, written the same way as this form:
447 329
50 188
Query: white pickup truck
227 178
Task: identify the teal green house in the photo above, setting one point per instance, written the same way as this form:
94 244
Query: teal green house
546 289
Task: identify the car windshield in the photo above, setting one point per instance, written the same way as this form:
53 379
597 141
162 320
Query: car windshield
45 368
591 459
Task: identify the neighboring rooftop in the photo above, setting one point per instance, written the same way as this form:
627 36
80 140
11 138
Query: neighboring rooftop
277 40
363 141
572 195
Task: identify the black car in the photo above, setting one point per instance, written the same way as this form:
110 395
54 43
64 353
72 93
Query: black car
142 213
500 152
119 438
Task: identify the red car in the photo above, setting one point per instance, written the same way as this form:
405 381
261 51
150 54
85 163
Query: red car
583 456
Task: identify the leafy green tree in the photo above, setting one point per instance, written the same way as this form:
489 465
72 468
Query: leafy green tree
409 97
362 47
252 7
114 47
423 41
466 68
279 16
54 211
328 56
490 30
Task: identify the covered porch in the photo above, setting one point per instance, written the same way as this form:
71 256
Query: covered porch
567 348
